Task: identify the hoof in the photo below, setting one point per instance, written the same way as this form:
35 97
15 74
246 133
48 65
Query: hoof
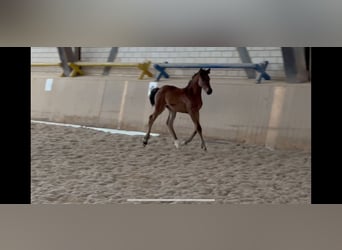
183 143
176 144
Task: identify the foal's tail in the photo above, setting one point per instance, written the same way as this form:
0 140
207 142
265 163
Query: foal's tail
152 95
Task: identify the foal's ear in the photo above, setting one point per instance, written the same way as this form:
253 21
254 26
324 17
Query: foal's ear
208 71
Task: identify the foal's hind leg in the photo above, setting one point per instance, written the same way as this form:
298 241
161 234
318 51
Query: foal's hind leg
157 111
169 122
190 138
195 118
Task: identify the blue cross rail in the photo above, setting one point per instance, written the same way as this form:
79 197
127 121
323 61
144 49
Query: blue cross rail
259 67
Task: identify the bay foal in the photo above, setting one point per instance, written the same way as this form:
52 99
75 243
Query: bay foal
184 100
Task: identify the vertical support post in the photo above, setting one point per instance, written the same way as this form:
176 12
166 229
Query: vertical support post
294 64
66 55
310 65
111 58
64 61
245 58
77 53
308 61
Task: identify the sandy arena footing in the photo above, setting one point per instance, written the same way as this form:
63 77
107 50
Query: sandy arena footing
81 166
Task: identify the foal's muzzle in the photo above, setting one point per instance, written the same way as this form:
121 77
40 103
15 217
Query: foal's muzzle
209 91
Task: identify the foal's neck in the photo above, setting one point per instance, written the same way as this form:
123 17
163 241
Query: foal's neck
193 86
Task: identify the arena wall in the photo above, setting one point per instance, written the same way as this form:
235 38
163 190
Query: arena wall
275 114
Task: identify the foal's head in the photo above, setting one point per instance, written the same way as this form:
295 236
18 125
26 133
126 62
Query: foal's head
204 80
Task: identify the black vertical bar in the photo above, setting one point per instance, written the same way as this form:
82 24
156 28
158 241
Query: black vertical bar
15 171
325 178
111 58
245 58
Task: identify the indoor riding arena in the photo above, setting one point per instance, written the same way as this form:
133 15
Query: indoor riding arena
90 110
